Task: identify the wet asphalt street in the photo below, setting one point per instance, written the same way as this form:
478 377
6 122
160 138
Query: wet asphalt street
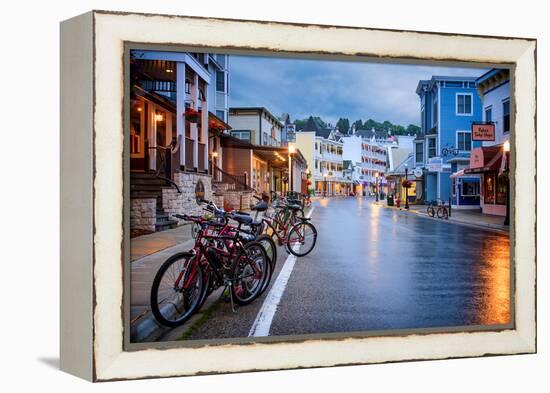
375 268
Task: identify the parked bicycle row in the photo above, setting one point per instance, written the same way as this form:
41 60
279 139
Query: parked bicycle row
440 209
233 250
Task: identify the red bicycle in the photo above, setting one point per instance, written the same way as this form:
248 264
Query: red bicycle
222 256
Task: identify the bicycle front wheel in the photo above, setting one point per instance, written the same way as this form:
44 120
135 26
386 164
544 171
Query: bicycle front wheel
431 211
177 290
249 272
271 250
301 239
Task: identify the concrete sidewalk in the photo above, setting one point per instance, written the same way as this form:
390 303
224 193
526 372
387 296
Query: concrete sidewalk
149 244
157 248
459 216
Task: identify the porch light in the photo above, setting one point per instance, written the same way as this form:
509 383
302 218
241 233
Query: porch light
291 149
158 117
139 109
215 154
506 146
169 70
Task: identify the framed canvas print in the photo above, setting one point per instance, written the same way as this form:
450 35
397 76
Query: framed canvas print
245 195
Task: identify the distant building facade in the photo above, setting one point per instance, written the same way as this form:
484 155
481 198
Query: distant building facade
448 106
490 161
256 125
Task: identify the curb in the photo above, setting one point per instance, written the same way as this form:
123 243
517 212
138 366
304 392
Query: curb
488 226
451 220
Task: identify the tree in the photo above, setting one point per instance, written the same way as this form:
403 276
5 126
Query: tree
358 124
343 125
412 129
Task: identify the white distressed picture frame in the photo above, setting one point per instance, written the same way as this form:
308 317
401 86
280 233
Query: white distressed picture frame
92 193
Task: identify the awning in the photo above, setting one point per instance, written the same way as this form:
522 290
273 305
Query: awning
463 173
484 159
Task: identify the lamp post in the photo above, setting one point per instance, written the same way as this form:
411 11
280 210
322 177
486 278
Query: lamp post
325 183
291 150
406 188
506 148
376 176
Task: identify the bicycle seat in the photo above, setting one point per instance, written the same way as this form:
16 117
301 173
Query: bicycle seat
260 206
242 218
294 207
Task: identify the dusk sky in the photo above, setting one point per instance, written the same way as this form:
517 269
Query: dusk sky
333 89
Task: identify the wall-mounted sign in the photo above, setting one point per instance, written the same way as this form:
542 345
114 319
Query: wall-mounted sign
434 164
483 131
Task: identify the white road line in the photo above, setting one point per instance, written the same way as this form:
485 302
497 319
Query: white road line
262 323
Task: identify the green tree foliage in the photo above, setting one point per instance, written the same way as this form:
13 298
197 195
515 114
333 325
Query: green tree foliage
343 125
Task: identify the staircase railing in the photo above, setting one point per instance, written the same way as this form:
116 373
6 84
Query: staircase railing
235 182
164 160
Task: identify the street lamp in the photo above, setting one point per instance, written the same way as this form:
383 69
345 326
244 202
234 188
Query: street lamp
291 151
325 183
406 188
376 176
506 148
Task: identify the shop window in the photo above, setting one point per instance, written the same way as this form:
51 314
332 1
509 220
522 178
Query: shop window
489 188
501 190
470 188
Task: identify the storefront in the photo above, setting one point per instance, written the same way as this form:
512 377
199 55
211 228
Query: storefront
490 163
465 190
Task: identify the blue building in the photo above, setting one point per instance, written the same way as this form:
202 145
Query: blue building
448 106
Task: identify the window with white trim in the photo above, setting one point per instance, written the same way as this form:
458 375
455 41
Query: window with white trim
470 188
489 114
220 81
464 140
434 112
506 116
432 148
463 104
419 153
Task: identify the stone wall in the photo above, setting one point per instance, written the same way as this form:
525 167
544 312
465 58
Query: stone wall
185 203
143 214
232 199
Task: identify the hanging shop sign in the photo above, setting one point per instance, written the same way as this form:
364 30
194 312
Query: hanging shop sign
483 131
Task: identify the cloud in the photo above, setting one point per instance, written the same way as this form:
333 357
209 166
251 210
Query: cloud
333 89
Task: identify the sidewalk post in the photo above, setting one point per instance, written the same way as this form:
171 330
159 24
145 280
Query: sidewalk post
450 207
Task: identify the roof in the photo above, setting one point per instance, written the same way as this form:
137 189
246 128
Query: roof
397 156
378 134
430 83
408 162
347 164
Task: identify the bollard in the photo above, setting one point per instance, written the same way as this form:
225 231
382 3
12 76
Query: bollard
449 206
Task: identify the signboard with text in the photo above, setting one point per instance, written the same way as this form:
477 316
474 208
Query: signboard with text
434 164
483 131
